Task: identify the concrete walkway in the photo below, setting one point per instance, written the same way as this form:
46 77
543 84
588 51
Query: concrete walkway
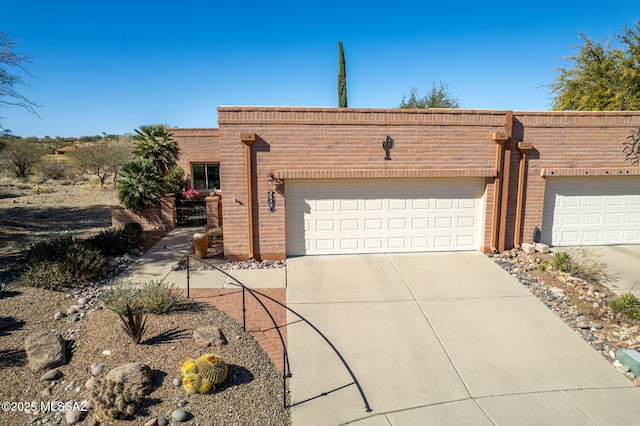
442 339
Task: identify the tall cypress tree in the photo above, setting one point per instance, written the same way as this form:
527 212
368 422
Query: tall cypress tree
342 78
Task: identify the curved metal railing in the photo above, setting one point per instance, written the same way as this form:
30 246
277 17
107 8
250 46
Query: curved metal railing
286 368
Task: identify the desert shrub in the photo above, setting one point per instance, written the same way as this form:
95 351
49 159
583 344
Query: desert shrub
584 265
159 297
155 296
60 262
626 305
54 169
117 241
543 266
120 293
561 261
174 181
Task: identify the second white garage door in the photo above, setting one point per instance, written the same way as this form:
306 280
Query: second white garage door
378 216
591 210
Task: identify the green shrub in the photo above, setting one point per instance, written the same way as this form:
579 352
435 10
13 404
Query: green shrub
117 241
160 297
561 261
155 296
119 294
627 306
174 181
60 262
543 265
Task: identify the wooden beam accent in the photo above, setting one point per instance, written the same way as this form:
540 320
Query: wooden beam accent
248 139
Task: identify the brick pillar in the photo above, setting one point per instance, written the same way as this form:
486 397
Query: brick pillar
168 212
214 211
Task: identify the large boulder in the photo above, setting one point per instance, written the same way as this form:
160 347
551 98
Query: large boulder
45 350
137 374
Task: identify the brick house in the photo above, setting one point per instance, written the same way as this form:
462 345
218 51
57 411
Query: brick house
304 181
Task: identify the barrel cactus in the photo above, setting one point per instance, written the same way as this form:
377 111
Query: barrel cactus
212 368
201 375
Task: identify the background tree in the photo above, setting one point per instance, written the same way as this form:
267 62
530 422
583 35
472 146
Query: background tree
342 78
601 77
102 159
438 97
12 70
20 156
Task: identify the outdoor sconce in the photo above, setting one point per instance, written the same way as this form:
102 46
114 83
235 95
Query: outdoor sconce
270 180
272 201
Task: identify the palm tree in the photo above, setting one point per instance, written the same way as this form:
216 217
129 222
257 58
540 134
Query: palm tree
154 143
139 185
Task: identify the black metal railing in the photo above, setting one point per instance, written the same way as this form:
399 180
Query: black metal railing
191 212
286 368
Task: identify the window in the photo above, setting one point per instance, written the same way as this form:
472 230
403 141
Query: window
206 176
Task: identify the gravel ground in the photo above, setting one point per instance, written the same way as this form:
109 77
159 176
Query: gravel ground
252 393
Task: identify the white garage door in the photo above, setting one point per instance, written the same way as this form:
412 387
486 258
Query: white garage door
382 215
591 210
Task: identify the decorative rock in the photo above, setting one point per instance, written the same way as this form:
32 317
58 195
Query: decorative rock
179 415
207 336
71 311
51 375
636 381
89 384
177 382
83 301
595 325
73 416
106 352
582 325
162 421
47 391
58 316
97 369
45 350
77 308
134 252
92 422
151 422
137 374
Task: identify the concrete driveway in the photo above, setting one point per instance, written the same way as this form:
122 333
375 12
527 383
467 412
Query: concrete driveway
442 339
623 264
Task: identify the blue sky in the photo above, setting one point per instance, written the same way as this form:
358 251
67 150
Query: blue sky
113 66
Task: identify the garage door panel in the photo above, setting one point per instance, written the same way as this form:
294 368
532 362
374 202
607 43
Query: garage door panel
372 216
591 210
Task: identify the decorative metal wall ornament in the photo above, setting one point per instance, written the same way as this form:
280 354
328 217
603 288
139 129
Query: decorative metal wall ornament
632 147
271 199
387 144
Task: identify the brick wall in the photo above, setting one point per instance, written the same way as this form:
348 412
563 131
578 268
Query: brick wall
567 144
196 146
338 143
331 143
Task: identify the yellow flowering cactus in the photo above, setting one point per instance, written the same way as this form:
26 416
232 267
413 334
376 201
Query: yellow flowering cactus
201 375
